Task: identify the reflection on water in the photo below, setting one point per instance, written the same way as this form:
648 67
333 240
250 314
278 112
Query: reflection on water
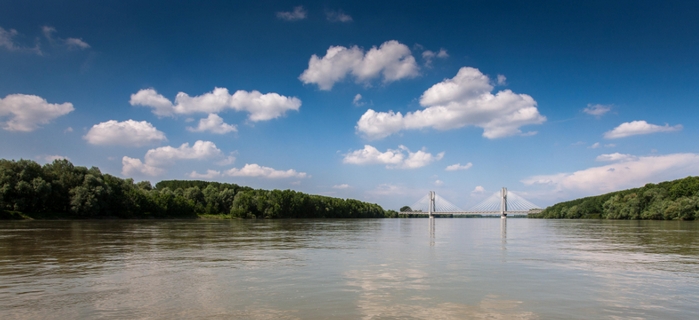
503 233
431 231
349 269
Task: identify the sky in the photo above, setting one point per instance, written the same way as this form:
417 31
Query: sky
379 101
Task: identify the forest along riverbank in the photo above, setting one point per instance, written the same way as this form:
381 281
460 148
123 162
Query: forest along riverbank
60 190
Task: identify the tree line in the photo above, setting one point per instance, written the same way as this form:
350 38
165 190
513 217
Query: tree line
670 200
62 190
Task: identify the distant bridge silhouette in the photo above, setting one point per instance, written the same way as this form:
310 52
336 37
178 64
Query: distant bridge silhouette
500 203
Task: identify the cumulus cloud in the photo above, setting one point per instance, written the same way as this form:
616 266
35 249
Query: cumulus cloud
26 112
615 157
126 133
255 170
210 174
131 166
337 16
597 110
392 61
156 158
458 166
214 124
629 172
200 150
228 160
341 186
299 13
151 98
633 128
478 190
261 107
465 100
401 158
595 145
438 183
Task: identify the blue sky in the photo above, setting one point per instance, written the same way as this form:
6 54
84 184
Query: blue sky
379 101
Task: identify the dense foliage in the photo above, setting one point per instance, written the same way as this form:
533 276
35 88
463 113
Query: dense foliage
62 190
678 199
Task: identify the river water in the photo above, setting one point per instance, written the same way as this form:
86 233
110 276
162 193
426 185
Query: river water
350 269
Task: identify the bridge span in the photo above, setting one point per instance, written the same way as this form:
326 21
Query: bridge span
500 203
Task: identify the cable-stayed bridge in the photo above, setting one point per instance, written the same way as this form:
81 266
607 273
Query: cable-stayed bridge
500 203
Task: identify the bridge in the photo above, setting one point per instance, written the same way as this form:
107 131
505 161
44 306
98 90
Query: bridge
500 203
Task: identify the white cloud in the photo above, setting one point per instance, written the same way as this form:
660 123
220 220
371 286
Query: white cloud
158 157
597 110
75 42
214 124
150 98
632 172
255 170
260 106
595 145
392 60
429 55
337 16
478 190
611 145
299 13
502 80
392 158
633 128
341 186
357 101
615 157
27 112
458 166
453 103
199 151
48 32
69 129
438 183
228 160
126 133
51 158
132 166
6 39
71 43
387 189
210 174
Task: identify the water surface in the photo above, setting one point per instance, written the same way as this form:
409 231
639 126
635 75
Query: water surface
350 269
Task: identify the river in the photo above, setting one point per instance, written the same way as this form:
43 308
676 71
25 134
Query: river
350 269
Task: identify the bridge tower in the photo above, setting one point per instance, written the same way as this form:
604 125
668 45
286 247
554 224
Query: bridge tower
432 207
503 203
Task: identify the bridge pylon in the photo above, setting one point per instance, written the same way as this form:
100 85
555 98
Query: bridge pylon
431 208
503 203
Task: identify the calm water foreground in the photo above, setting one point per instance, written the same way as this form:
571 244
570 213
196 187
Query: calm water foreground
350 269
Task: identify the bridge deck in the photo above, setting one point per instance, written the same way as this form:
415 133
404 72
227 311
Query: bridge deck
465 212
